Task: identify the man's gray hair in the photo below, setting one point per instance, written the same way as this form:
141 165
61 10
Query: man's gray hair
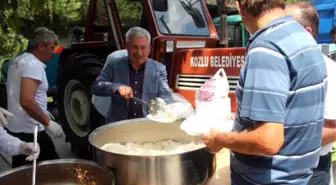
41 35
136 32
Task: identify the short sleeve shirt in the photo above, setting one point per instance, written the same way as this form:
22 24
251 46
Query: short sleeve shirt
25 66
330 102
283 80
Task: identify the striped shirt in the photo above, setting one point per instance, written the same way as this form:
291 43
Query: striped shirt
283 80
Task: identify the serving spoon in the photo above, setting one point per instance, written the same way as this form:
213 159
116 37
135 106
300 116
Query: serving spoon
156 106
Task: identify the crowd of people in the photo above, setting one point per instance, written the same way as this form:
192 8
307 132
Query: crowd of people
285 121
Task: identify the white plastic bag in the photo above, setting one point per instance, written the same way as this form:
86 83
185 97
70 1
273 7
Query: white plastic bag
182 109
217 108
179 109
181 106
212 99
216 86
222 84
178 98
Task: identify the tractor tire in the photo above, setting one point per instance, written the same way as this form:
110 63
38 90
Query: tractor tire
74 102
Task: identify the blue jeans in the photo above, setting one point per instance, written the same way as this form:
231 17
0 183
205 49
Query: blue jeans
321 174
320 177
237 179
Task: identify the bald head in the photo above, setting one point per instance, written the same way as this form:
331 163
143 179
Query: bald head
306 15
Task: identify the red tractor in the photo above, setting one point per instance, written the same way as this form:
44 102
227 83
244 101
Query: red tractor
184 39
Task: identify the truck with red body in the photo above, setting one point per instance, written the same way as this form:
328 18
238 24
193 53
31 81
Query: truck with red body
184 39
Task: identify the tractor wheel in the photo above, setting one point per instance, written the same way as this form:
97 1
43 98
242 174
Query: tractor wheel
74 102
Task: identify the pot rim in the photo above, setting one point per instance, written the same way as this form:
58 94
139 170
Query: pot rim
117 123
60 161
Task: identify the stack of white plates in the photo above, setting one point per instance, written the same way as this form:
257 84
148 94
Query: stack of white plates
197 125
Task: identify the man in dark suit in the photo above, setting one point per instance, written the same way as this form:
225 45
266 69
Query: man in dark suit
132 75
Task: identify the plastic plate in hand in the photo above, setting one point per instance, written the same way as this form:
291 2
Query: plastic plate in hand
197 125
167 117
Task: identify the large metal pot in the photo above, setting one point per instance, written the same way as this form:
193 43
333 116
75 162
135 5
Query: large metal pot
190 168
60 172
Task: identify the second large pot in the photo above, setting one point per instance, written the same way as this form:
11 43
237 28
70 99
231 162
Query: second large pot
60 172
189 168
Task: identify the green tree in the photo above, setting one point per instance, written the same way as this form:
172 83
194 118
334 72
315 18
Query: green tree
18 18
130 12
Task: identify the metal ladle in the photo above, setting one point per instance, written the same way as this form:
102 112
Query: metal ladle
156 106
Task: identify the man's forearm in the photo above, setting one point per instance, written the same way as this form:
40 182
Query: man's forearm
329 132
329 136
242 143
103 88
104 84
34 111
251 142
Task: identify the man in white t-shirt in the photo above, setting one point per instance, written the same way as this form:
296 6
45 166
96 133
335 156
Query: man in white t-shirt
307 16
27 87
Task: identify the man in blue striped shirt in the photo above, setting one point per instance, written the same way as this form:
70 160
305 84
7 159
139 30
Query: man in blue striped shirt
280 101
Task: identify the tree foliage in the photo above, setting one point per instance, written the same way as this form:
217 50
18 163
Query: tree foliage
130 12
18 18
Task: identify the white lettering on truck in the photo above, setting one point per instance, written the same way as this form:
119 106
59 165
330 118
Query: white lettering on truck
199 61
217 61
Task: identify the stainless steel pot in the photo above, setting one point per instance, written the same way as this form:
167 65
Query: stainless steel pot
190 168
60 172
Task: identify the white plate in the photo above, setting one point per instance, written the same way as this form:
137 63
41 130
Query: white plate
169 117
197 125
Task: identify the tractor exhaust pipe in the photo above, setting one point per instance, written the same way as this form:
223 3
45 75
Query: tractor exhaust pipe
223 42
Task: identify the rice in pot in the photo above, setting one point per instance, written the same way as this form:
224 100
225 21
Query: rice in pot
164 147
